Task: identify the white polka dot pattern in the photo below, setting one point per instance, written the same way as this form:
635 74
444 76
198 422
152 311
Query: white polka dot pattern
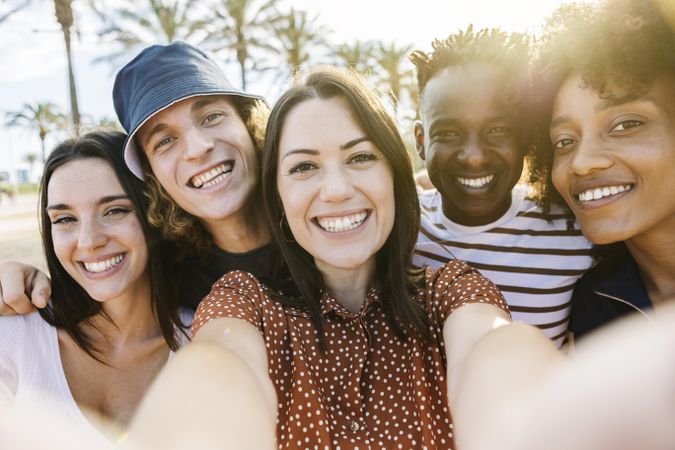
370 389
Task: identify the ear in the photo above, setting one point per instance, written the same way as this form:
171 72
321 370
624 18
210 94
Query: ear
419 138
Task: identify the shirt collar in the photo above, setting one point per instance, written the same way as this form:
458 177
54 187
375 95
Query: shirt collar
329 305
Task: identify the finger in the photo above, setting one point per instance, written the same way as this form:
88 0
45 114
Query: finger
4 309
13 294
40 290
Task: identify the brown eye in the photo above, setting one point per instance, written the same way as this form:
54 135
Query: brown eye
627 125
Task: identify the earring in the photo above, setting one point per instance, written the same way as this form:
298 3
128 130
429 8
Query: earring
281 227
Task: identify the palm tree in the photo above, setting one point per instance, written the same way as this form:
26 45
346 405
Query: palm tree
357 56
43 117
243 26
64 16
30 158
131 25
297 36
395 73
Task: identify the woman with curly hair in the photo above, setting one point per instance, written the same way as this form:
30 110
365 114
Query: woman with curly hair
610 151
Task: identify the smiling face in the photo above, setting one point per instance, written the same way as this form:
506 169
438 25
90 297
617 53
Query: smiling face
614 160
336 187
468 142
203 156
96 234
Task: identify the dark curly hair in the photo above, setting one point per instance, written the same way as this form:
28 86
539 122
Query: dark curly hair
624 44
509 52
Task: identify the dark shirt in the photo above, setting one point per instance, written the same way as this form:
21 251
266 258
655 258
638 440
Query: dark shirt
196 276
610 290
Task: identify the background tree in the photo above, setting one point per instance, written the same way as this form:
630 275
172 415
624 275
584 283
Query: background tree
357 56
64 16
30 158
242 26
42 117
297 37
131 25
394 74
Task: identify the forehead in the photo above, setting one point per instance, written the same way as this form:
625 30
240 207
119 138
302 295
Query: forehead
184 109
316 123
574 96
83 181
461 87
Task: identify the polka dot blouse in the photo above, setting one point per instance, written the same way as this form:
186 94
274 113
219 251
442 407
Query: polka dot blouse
370 389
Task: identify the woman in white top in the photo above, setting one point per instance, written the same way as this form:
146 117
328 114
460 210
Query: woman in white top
114 321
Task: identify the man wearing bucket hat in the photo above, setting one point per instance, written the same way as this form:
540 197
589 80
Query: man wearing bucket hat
194 138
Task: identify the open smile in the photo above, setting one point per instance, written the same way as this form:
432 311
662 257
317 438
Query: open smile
600 193
212 176
103 266
475 182
340 224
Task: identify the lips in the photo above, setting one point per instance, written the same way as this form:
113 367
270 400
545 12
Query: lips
338 224
103 265
475 182
212 176
599 193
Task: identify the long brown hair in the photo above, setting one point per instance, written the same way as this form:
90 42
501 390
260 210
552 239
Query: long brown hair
72 305
393 273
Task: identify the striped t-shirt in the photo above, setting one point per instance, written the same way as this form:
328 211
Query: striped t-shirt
531 256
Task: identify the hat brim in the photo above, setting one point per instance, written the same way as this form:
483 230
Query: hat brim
130 146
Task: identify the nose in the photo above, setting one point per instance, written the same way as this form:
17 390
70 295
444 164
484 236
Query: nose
198 144
474 152
91 234
336 186
589 156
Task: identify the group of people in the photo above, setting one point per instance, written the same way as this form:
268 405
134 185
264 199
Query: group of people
332 302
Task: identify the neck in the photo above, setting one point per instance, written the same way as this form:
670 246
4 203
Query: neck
240 232
654 254
127 319
348 286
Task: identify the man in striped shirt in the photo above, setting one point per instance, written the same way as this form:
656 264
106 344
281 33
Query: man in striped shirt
474 135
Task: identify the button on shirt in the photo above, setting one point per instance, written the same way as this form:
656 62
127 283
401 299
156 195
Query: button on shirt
370 389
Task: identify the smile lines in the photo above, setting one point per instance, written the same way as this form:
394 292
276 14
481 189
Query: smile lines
598 193
339 224
476 182
211 177
102 266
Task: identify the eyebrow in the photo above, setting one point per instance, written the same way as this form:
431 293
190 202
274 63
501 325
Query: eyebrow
156 129
606 104
101 201
345 146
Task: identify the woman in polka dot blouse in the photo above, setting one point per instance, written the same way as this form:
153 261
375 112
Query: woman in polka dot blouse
367 353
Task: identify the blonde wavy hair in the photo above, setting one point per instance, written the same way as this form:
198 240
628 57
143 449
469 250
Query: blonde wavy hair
179 226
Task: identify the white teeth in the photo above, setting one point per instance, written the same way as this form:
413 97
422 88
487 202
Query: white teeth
102 266
337 225
211 177
476 182
598 193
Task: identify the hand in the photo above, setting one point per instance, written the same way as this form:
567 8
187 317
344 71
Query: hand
22 288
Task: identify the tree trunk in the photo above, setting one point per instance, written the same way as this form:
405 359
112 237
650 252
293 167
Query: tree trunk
74 108
42 144
64 16
242 65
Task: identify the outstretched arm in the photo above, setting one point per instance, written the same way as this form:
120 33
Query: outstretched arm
513 391
215 392
22 288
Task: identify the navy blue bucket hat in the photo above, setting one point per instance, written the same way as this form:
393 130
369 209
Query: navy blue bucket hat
158 77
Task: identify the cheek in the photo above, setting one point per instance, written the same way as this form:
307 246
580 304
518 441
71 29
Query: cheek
64 246
558 176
